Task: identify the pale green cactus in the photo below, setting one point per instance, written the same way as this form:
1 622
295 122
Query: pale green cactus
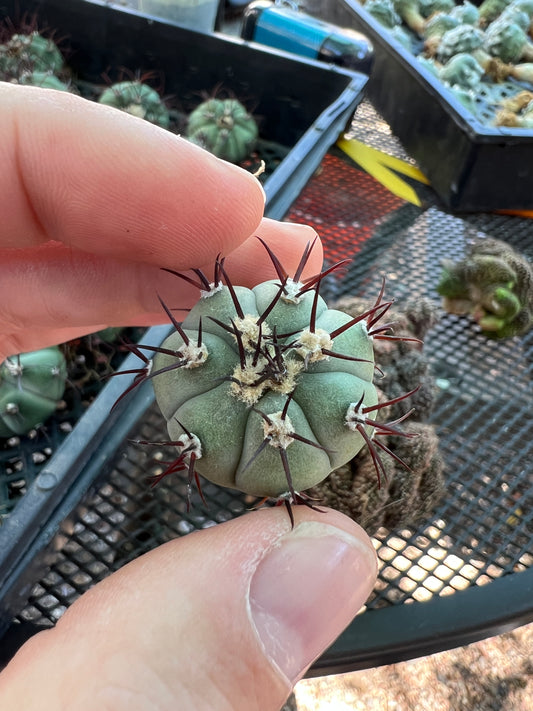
462 70
31 384
383 11
29 52
267 390
45 80
508 41
223 127
467 13
139 99
463 38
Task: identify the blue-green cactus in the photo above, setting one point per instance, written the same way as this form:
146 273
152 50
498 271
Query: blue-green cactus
267 390
467 13
223 127
31 384
28 53
462 70
139 99
383 11
45 80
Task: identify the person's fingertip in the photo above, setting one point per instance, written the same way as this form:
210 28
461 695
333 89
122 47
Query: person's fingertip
306 590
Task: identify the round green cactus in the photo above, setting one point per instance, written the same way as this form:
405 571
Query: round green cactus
31 52
505 39
428 8
489 10
383 11
223 127
467 13
138 99
267 390
438 24
463 38
462 70
31 384
46 80
494 285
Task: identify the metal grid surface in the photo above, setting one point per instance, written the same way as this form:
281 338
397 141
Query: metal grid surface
481 531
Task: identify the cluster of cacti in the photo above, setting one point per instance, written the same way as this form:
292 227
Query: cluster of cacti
405 496
469 48
267 390
223 127
493 284
31 384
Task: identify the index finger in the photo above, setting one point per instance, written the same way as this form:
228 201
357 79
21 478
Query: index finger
102 181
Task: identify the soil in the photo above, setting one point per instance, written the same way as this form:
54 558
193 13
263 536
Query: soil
495 674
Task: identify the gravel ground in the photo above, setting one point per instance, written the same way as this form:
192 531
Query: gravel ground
495 674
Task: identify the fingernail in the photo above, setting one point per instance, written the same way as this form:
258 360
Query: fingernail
306 590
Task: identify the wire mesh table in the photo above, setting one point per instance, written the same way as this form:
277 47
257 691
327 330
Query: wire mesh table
464 573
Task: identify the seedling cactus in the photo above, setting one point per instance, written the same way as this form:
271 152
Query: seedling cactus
29 52
267 390
223 127
137 98
31 384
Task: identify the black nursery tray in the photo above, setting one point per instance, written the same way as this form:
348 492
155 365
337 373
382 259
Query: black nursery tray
301 106
472 165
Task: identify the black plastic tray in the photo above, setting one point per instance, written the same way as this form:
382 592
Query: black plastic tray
471 166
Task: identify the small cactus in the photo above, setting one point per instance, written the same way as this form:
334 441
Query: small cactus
467 13
139 99
508 41
46 80
266 390
31 384
463 38
489 10
494 285
462 70
383 11
223 127
28 53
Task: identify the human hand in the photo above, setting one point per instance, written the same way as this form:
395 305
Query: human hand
93 203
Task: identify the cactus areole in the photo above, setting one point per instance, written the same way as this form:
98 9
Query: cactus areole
267 390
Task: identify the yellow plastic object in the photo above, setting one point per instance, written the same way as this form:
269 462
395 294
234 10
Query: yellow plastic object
384 168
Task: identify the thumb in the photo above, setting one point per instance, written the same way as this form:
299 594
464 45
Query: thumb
226 618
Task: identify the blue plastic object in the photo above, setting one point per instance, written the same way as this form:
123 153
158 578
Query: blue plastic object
285 28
